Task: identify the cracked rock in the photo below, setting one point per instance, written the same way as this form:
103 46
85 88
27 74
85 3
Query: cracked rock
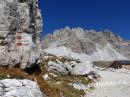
19 88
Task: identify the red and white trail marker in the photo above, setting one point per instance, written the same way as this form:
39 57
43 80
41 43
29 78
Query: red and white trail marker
23 40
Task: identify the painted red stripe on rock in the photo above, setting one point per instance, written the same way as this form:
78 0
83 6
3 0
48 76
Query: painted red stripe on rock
18 37
19 44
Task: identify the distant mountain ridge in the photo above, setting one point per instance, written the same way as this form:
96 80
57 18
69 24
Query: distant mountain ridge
86 41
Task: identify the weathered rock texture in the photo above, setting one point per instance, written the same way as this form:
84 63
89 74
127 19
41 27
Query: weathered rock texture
20 27
86 41
19 88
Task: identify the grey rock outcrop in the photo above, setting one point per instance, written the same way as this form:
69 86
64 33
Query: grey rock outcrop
20 27
19 88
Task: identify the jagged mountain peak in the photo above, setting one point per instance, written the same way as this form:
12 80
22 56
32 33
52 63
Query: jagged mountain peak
82 40
104 33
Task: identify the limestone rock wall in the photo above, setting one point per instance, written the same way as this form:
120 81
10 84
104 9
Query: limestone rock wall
19 16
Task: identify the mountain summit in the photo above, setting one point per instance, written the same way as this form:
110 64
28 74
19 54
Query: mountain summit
87 41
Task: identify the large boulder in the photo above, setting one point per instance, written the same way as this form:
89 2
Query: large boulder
20 27
19 88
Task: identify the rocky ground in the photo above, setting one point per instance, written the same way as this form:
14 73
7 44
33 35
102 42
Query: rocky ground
59 76
110 82
56 77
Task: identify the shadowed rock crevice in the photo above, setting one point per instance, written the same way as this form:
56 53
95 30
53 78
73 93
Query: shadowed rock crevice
33 70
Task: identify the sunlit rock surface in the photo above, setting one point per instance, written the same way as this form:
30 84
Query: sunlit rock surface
20 27
80 40
19 88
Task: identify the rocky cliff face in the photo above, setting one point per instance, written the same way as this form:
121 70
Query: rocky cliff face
20 27
84 41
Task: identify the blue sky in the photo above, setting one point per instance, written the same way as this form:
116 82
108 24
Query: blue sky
88 14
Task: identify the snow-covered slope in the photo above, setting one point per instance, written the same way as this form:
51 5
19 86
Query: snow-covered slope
112 84
105 54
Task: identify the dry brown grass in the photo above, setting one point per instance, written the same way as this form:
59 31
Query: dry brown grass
66 90
14 73
46 88
73 79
